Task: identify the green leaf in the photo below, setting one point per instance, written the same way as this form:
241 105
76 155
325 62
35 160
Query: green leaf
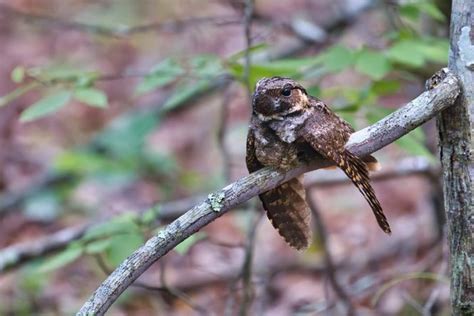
79 162
46 105
336 58
91 96
57 72
102 167
376 113
406 52
183 247
125 136
121 246
373 64
31 282
150 215
413 146
349 117
18 74
385 87
160 75
410 11
191 179
314 91
289 65
98 246
432 10
86 80
183 92
61 259
435 50
159 162
123 224
207 65
283 67
415 52
17 93
236 56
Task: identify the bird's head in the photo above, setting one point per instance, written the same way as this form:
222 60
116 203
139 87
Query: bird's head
276 97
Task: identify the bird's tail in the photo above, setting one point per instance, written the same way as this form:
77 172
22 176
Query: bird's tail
356 169
287 210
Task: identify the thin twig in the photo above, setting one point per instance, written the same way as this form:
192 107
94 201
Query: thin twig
178 294
231 297
433 297
17 254
221 134
410 166
167 26
246 273
412 302
248 15
247 266
321 233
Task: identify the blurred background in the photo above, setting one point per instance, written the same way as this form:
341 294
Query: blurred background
118 116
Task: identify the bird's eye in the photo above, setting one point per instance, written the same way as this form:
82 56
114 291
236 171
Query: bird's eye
286 92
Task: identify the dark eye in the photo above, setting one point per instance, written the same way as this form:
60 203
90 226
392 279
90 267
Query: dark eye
286 92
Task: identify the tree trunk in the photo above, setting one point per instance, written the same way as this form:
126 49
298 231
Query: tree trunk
455 126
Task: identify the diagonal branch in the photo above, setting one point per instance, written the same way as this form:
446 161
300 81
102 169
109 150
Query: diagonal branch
362 143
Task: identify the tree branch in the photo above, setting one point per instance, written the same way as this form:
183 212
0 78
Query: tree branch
169 26
362 143
410 166
21 252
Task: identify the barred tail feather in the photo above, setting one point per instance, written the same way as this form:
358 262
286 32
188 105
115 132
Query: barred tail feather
290 215
357 171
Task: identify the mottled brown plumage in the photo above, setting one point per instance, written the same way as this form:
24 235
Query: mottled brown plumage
288 126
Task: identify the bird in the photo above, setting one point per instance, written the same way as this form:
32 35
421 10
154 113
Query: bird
287 127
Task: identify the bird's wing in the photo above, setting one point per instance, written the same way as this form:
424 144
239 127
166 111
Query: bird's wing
251 158
324 132
289 213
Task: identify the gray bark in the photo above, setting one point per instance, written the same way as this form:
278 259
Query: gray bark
361 143
455 142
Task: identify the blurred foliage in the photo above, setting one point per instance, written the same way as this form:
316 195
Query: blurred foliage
120 148
113 240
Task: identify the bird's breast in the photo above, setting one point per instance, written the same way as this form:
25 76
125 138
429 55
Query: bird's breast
271 151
